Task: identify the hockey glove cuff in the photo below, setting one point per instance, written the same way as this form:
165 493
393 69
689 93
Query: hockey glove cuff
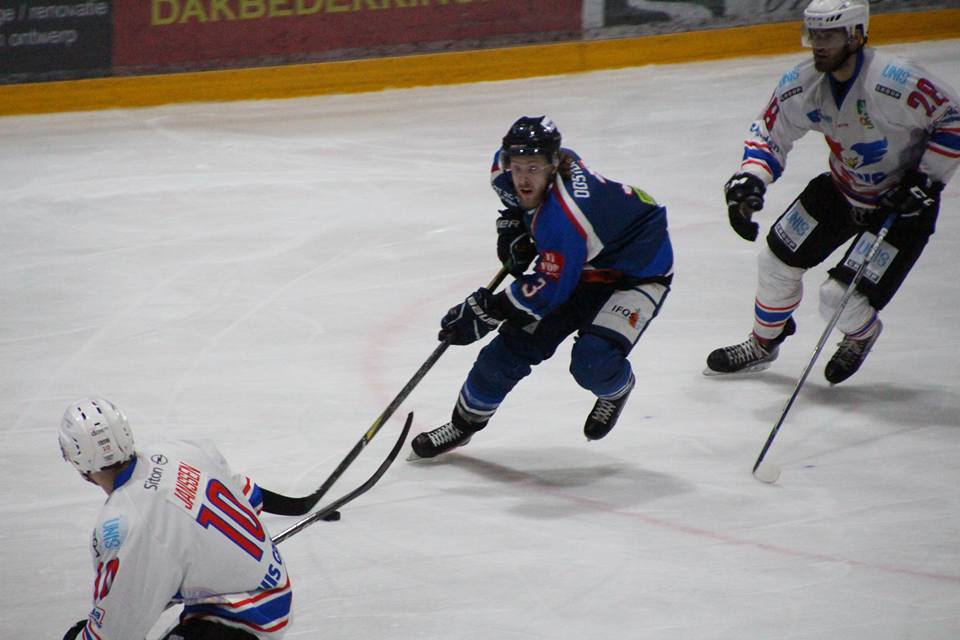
744 195
915 194
73 633
469 321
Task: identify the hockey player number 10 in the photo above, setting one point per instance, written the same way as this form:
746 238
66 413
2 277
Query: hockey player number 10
232 519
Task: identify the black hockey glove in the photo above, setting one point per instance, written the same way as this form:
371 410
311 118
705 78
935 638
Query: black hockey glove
915 194
744 194
471 320
74 632
515 247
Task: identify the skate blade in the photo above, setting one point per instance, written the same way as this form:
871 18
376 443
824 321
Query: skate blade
756 368
413 457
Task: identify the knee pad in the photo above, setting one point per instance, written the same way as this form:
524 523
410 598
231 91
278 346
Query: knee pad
598 365
779 291
778 280
858 312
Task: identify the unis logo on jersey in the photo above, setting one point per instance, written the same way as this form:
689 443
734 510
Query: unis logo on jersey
897 74
113 532
790 76
862 154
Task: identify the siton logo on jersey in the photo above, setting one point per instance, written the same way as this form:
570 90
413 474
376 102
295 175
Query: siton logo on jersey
861 154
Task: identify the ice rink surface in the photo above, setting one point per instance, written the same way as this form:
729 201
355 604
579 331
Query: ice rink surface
270 274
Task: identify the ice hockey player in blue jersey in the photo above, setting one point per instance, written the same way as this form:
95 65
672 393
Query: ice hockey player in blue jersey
603 267
893 131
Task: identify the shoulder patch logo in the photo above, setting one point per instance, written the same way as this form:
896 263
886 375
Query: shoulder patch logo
897 74
790 76
550 264
113 533
887 91
789 94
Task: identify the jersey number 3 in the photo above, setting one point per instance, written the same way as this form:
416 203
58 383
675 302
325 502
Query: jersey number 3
232 518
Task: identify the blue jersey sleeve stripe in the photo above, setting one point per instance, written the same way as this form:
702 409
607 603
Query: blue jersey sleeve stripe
946 139
766 158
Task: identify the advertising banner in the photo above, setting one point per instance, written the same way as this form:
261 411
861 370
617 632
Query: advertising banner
50 38
619 18
205 33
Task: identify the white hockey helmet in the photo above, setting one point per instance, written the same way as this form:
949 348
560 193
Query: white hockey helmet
94 434
836 14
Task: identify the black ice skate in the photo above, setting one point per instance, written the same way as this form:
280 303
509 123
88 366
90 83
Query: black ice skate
605 413
748 356
849 356
442 439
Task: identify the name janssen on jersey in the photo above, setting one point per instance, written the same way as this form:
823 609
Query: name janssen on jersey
188 481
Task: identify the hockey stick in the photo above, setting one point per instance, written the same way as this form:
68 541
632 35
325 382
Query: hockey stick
394 404
767 471
329 509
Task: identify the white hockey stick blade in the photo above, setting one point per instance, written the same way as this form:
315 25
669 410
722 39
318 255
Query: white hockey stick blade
767 472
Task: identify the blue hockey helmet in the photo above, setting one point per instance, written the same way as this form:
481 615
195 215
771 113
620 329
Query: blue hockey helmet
530 136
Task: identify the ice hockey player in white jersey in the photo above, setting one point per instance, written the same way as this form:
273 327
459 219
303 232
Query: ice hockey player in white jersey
893 132
177 526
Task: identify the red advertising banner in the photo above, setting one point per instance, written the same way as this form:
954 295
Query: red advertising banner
180 34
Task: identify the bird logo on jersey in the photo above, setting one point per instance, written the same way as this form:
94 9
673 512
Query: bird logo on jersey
862 154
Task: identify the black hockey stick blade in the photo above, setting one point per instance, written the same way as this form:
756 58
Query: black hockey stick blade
331 508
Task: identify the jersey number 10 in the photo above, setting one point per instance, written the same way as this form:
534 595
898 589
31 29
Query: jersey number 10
232 518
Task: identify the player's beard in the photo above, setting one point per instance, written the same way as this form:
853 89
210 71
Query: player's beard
829 64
